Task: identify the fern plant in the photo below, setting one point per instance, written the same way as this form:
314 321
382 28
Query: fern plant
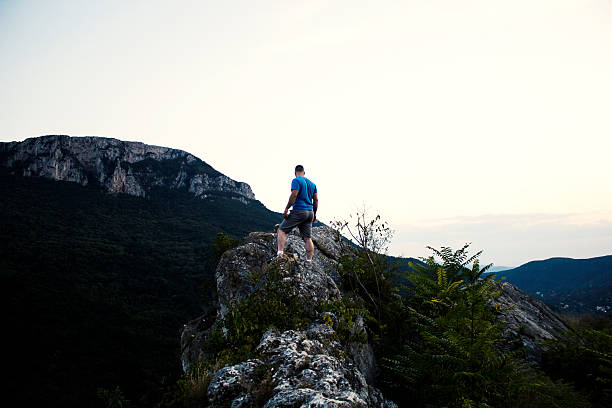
451 354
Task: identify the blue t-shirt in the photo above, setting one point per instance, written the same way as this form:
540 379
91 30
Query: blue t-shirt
306 190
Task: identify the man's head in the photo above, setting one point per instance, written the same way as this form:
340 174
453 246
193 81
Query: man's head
299 170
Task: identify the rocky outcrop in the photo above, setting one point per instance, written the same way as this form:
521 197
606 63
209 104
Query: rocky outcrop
310 367
118 166
312 284
300 368
529 321
306 367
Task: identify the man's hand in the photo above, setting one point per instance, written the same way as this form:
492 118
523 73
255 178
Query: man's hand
314 217
292 198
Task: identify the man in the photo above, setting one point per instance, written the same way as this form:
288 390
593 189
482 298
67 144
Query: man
305 203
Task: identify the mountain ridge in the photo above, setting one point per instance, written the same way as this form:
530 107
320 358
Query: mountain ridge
572 284
118 166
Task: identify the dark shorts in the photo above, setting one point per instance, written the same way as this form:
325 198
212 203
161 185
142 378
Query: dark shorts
301 219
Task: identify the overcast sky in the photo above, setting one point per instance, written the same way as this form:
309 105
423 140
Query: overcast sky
458 121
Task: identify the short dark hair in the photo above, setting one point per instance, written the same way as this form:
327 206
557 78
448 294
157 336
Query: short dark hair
299 168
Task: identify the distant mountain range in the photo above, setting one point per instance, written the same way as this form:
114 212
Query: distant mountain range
567 284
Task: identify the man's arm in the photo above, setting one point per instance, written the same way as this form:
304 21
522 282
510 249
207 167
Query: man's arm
292 198
315 205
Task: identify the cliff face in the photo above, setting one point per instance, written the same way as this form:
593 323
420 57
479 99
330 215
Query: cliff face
118 166
305 368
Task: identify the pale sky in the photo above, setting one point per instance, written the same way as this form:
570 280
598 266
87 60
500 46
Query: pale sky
458 121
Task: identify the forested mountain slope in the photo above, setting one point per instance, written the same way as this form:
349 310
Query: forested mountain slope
96 283
573 285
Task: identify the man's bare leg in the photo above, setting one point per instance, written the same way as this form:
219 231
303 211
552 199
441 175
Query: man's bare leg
281 240
309 248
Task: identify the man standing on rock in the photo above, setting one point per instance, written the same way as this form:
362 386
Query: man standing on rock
305 202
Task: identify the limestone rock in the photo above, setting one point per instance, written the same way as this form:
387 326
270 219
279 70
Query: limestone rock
194 333
118 166
528 320
318 282
312 284
295 367
306 368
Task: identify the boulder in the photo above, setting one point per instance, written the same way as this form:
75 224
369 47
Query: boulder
297 368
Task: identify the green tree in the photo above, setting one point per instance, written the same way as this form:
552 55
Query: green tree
452 354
